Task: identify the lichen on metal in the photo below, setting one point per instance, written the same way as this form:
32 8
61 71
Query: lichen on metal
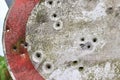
76 39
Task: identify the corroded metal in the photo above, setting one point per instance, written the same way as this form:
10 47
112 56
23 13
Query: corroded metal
75 39
19 64
63 40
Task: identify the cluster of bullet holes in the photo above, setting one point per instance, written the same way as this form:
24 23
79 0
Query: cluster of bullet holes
52 3
47 67
37 56
58 24
87 45
74 63
25 44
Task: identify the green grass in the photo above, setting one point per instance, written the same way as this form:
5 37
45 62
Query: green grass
4 74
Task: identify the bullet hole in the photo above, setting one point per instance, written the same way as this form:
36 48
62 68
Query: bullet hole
50 2
38 54
14 48
81 68
54 15
88 46
58 25
48 66
94 39
109 10
82 45
75 62
83 39
25 44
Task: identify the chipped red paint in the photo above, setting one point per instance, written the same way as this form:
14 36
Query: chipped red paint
18 60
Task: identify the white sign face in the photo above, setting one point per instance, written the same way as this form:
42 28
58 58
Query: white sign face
75 39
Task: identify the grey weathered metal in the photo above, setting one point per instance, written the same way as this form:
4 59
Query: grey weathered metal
75 39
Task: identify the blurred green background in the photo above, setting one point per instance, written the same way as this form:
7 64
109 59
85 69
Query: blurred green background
4 74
